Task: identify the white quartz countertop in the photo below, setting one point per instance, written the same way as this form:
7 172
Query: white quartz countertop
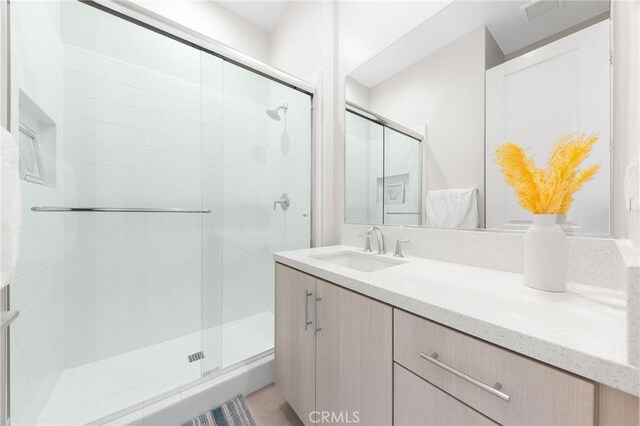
583 331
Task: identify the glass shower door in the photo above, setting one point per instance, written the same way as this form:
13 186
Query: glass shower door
364 158
110 301
265 152
402 179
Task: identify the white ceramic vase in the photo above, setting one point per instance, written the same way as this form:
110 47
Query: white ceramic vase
545 254
561 220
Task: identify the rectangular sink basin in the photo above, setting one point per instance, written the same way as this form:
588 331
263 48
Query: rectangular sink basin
359 261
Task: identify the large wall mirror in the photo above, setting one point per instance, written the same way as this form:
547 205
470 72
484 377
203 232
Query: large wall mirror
424 116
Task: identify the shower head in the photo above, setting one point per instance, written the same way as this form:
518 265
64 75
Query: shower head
273 113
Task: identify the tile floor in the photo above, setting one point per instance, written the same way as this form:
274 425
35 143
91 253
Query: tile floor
269 409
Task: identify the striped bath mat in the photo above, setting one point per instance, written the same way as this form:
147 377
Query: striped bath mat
231 413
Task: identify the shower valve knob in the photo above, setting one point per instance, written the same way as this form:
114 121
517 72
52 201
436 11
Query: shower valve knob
283 201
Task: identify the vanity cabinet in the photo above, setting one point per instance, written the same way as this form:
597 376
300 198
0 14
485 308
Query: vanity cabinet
294 340
333 351
506 387
343 358
418 402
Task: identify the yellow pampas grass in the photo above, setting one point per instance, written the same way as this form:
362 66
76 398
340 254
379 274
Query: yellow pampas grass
549 190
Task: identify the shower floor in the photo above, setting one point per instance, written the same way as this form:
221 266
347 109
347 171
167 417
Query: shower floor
91 391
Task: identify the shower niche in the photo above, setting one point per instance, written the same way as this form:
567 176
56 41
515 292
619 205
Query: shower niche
36 140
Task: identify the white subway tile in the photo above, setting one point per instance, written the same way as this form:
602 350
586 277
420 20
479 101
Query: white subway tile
129 137
102 67
156 82
132 96
106 112
75 106
131 158
75 151
106 155
102 89
131 75
185 91
131 117
103 133
75 59
75 82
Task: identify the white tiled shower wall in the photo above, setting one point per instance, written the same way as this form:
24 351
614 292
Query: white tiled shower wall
132 139
262 160
37 288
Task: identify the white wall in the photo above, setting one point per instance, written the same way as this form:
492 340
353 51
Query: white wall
444 93
357 93
295 44
214 21
368 27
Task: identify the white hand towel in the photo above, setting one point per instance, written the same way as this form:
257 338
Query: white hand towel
10 207
452 208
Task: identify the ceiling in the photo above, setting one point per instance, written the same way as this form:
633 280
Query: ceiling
504 19
265 14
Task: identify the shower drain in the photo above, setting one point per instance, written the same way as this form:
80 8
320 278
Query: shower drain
195 357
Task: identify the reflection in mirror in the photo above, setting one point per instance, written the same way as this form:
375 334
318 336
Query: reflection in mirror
476 75
363 163
574 73
402 179
383 177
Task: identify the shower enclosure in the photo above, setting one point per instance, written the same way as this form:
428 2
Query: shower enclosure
383 180
158 180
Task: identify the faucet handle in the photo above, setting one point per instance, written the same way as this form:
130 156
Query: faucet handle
367 242
398 252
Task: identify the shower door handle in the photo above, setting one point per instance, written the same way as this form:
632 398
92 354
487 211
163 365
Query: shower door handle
307 323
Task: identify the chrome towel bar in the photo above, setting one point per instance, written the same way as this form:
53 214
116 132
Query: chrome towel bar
403 213
115 210
495 390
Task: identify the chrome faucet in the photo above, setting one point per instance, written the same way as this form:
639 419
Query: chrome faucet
398 252
367 242
382 247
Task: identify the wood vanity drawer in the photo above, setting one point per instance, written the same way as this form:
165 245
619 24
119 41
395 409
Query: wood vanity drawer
417 402
537 393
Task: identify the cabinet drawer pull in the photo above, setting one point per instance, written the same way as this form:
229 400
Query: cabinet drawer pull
307 323
316 329
495 390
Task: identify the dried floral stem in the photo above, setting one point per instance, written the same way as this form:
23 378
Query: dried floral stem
549 190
